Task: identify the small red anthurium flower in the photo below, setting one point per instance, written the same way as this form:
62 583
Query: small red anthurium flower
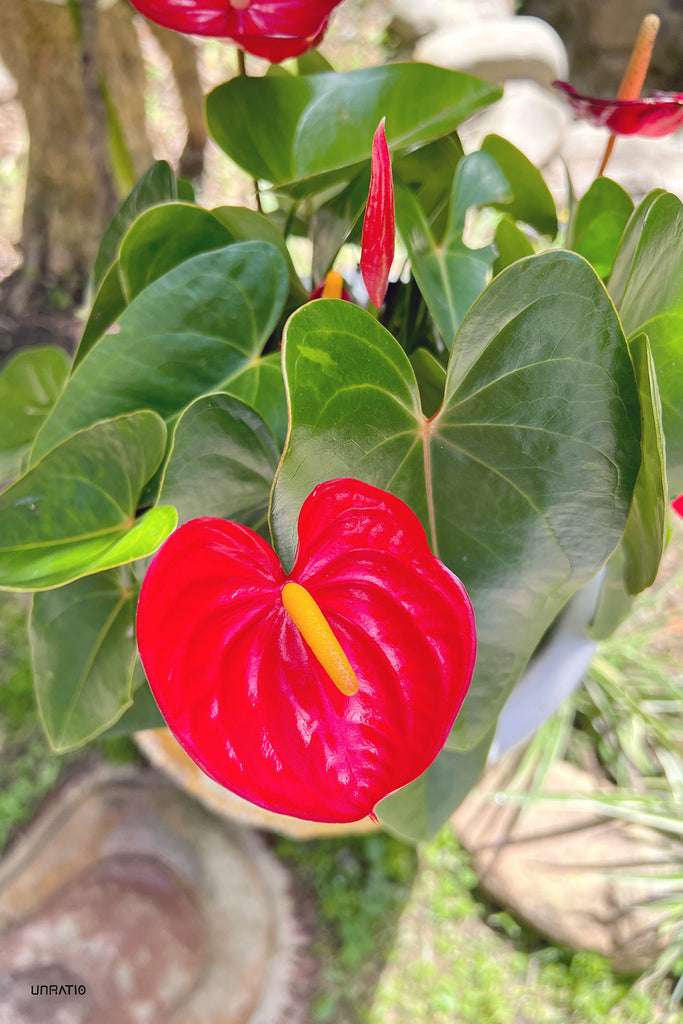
274 29
379 224
652 116
677 505
318 692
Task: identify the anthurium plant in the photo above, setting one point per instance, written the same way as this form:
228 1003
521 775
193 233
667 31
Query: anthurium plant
326 535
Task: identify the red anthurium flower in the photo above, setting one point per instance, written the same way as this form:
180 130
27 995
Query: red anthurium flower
274 29
677 505
654 116
379 225
316 693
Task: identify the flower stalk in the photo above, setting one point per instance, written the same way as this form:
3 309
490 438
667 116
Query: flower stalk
634 76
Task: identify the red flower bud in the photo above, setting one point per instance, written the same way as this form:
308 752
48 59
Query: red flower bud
379 225
654 116
274 29
317 693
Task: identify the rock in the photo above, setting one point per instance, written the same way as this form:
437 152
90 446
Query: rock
166 754
563 868
126 903
528 115
498 49
409 20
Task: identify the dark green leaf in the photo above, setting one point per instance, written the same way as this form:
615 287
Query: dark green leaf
635 563
30 383
83 654
598 223
312 62
155 186
524 478
431 380
261 386
511 244
144 712
450 275
73 513
428 173
315 130
189 333
248 225
222 463
108 305
645 535
335 221
532 201
162 238
647 288
419 810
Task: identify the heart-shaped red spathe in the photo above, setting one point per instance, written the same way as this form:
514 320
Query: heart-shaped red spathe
651 116
245 695
274 29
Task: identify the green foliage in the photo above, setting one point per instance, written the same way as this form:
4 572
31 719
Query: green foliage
30 383
646 285
598 222
73 512
495 393
308 132
477 472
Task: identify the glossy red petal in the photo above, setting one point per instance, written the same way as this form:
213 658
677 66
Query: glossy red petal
677 505
654 116
379 224
274 29
246 697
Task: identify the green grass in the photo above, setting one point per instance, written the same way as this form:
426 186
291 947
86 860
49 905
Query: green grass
405 936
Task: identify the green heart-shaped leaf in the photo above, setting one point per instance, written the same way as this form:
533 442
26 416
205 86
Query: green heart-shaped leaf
523 479
162 238
510 243
188 333
30 383
221 464
451 275
261 386
598 222
647 287
307 132
73 513
155 186
83 654
635 563
418 811
532 200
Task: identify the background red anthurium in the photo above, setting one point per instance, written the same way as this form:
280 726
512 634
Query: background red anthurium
274 29
677 505
240 686
652 116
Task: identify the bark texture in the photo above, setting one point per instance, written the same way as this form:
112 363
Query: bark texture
69 196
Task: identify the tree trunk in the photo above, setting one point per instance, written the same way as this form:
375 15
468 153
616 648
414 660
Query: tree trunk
68 196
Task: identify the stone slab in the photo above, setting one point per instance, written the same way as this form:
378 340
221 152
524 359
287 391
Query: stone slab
159 911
